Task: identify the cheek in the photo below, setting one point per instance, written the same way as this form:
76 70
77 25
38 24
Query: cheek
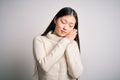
59 27
70 29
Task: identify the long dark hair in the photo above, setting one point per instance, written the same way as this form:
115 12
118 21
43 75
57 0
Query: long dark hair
64 11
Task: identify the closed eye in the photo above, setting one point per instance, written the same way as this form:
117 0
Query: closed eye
71 26
63 21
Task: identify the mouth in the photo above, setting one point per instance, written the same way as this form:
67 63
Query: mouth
62 31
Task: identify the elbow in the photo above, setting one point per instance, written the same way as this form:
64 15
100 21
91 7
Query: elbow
81 70
78 72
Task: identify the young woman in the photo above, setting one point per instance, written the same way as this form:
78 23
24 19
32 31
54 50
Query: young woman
57 50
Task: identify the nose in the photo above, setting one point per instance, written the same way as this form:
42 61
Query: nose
65 27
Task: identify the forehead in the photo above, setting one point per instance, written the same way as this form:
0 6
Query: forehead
69 18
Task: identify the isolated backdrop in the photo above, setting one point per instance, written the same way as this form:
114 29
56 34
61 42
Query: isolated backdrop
99 27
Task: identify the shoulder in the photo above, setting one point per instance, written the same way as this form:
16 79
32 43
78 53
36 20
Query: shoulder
39 38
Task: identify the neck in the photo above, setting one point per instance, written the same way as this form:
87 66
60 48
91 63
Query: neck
53 36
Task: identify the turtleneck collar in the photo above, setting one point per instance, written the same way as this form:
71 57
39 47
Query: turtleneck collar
53 36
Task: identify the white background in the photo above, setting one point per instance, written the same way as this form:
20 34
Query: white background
22 20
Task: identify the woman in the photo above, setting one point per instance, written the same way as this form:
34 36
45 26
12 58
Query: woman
56 51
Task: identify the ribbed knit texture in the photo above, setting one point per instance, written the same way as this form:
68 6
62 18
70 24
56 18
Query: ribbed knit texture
57 58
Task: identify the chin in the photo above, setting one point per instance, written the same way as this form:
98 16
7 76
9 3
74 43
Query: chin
61 35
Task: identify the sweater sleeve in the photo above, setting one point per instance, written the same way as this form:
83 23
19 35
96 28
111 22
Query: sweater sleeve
73 59
47 61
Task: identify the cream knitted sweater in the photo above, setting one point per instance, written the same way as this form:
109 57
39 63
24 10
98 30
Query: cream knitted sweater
57 58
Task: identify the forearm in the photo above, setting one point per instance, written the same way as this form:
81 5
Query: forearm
47 61
73 61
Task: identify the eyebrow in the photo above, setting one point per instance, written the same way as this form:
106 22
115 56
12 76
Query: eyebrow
67 21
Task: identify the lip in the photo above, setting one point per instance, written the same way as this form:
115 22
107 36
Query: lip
63 31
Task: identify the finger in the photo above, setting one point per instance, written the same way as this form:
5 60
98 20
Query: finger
75 31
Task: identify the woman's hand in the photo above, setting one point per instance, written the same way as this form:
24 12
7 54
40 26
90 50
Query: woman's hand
71 36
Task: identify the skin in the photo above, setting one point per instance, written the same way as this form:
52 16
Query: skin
65 27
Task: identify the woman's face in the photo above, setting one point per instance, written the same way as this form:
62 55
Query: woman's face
64 25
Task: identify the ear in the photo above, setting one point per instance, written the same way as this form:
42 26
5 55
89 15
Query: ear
55 20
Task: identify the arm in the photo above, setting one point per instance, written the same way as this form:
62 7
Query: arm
47 61
73 56
73 59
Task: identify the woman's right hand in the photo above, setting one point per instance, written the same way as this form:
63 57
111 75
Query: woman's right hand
71 36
